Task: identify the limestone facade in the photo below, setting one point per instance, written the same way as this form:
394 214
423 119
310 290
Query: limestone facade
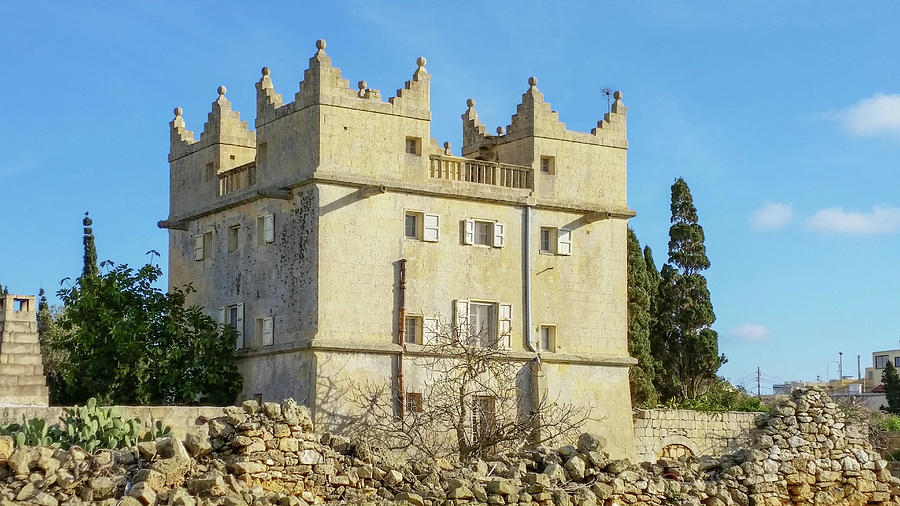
670 433
295 233
22 379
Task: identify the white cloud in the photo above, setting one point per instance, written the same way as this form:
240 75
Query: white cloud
751 332
837 221
772 215
878 115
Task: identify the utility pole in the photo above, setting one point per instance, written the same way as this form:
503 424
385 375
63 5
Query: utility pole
757 381
841 366
858 369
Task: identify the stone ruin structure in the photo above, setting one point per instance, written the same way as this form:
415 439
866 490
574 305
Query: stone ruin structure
22 379
803 453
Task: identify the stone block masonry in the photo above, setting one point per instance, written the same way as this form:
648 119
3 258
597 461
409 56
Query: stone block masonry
672 432
22 379
803 453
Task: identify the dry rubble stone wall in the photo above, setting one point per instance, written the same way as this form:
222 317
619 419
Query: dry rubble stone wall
803 453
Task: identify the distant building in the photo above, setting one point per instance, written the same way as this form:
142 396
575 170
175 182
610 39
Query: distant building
879 359
21 371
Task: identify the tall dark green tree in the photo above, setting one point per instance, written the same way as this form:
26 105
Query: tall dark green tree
683 340
641 375
90 250
891 381
44 318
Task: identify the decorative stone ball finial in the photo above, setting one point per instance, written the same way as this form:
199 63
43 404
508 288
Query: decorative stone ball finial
221 91
446 144
470 102
266 71
320 44
499 130
178 111
420 61
362 85
532 81
617 95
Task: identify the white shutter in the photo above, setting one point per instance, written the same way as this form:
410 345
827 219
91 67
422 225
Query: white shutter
239 325
564 242
505 326
462 318
499 235
469 236
267 334
430 331
270 228
198 247
432 228
221 316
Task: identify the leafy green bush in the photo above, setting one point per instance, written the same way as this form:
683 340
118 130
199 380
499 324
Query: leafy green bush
722 396
889 423
127 342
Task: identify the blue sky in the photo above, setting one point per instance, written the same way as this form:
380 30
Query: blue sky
783 117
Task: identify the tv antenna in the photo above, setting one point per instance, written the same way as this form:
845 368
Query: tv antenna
609 93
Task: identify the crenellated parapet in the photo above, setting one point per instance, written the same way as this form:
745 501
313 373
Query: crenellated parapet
535 117
267 100
223 126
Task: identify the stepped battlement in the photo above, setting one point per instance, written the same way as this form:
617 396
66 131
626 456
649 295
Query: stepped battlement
21 369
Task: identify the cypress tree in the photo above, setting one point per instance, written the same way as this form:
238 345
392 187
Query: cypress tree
891 381
43 315
641 375
684 340
90 250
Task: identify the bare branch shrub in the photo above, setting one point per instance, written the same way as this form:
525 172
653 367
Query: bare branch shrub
477 400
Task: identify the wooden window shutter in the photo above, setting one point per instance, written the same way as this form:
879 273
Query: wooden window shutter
221 316
462 318
432 231
267 331
430 331
499 235
239 325
270 228
469 236
198 247
505 337
564 242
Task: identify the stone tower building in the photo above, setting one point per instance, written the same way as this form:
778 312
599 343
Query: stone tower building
296 234
21 370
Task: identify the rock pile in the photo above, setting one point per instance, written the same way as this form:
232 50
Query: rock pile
803 453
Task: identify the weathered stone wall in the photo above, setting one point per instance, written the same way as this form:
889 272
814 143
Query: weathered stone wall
179 418
703 433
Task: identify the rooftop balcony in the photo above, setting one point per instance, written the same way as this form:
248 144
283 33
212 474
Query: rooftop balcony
481 171
237 178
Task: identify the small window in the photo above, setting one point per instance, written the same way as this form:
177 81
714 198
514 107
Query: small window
411 228
869 374
548 338
413 402
880 360
210 171
233 316
265 229
548 240
261 154
896 361
484 233
483 324
548 165
413 331
233 236
413 146
264 330
20 304
208 245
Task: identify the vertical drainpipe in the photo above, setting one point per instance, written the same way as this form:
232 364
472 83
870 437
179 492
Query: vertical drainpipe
526 253
401 391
